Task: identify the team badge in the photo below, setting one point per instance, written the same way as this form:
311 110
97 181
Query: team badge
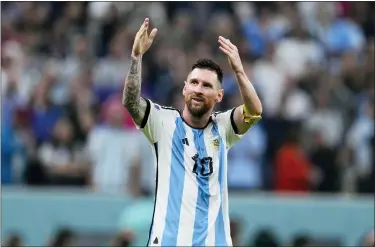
215 143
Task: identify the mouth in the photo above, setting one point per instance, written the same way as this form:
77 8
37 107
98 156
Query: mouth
197 99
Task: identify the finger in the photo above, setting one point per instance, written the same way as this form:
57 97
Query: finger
143 28
227 42
231 45
147 23
224 50
225 45
143 25
153 34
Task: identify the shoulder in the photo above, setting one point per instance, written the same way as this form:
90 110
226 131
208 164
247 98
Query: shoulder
222 116
223 113
161 109
225 120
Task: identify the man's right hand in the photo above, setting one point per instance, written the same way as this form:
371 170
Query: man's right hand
143 40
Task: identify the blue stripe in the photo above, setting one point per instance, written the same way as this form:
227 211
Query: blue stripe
176 186
220 236
203 200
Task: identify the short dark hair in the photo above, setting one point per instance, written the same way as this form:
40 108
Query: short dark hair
209 64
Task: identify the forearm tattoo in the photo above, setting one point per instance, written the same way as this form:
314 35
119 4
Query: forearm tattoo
132 90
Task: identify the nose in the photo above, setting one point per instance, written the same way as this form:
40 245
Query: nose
198 89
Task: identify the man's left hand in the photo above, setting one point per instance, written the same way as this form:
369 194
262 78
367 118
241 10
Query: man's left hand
232 52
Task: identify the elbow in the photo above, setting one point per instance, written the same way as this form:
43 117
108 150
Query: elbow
254 106
258 110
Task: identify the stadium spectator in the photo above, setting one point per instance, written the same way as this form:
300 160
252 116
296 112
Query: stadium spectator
265 238
368 239
326 160
123 239
301 240
62 158
246 158
114 153
293 170
63 237
235 231
44 113
13 240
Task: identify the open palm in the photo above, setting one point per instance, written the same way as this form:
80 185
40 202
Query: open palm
143 40
232 52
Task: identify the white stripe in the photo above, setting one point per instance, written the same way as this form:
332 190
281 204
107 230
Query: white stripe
214 189
165 155
225 202
189 196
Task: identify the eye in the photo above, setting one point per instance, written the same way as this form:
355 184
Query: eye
194 82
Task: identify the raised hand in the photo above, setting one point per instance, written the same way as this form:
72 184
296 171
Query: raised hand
143 40
232 52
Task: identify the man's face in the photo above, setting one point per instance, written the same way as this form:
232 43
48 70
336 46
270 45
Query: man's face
202 91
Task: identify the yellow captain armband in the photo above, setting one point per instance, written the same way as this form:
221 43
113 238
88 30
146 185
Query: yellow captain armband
248 118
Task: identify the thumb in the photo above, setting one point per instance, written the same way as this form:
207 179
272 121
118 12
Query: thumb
152 35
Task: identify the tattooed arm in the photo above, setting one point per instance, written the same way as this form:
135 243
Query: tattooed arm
131 97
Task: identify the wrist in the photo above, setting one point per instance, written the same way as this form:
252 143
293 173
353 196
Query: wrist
239 72
136 57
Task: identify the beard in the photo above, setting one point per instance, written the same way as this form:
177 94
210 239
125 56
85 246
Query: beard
198 109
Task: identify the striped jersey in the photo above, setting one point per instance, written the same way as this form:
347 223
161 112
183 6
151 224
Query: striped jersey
191 198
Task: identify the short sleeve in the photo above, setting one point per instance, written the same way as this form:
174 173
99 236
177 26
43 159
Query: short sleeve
151 124
225 121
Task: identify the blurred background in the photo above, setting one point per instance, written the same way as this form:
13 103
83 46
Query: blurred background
74 171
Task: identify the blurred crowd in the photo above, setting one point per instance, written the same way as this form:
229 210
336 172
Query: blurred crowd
64 65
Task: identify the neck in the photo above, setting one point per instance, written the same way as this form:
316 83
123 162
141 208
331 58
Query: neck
196 122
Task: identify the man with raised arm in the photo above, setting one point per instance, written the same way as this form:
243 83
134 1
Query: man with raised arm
191 146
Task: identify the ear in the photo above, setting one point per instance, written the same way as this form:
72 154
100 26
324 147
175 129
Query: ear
184 89
220 95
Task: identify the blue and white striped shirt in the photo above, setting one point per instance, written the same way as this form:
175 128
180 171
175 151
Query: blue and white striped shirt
191 199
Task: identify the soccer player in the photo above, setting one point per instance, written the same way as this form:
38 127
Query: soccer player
190 146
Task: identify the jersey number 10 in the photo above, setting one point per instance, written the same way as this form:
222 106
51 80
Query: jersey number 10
206 168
